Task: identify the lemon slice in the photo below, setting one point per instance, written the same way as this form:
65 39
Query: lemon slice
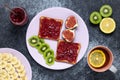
107 25
97 58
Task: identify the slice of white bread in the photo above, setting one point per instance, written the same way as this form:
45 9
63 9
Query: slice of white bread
66 51
50 28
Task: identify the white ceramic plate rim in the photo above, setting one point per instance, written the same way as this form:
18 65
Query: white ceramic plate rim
60 13
22 58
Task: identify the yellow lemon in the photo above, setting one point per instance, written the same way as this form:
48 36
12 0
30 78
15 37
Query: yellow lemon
97 58
107 25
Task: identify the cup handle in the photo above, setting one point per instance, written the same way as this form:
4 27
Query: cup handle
113 69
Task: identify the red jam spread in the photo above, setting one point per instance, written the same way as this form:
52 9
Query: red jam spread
19 15
67 52
50 28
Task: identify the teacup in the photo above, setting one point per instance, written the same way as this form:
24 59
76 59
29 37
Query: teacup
109 60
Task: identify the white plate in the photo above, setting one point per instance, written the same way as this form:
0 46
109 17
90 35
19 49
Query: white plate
22 59
81 37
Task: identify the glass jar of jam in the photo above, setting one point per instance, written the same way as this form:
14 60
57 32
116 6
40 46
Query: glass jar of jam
19 17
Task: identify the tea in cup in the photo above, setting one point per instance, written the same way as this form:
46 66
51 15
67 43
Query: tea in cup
100 59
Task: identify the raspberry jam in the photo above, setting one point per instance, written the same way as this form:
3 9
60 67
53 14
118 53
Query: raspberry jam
67 51
50 28
20 17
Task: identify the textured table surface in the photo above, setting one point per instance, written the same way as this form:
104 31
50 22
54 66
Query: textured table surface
14 37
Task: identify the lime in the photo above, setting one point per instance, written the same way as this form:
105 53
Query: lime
97 58
107 25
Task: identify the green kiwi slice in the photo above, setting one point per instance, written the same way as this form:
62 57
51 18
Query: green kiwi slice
43 48
106 10
41 40
50 60
47 53
95 17
33 41
38 45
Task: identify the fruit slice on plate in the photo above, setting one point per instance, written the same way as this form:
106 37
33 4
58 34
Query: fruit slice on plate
41 40
107 25
106 10
43 48
71 22
68 35
50 60
95 17
38 45
48 52
97 58
33 41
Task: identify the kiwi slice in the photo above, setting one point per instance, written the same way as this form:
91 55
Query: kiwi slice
41 40
106 10
38 45
50 60
33 41
48 52
95 17
43 48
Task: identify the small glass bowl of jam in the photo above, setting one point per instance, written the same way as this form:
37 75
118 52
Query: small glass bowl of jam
19 17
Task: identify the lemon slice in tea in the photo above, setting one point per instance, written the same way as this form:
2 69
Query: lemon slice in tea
107 25
97 58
